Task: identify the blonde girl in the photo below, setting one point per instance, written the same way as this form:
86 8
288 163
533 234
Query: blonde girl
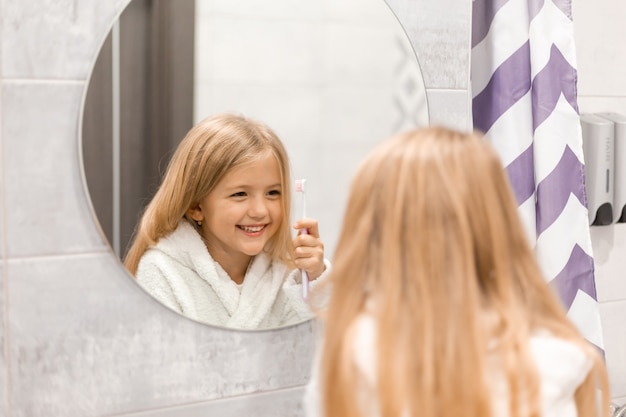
438 307
215 242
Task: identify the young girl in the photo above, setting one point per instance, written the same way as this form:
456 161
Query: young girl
438 307
215 243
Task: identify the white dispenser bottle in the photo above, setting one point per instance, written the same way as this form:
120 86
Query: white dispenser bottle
619 162
598 141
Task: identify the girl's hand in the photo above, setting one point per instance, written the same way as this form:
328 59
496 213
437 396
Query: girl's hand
309 249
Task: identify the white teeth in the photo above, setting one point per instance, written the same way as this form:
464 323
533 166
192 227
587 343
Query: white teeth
251 229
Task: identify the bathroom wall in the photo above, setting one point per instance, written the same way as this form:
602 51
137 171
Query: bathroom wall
599 33
331 100
78 336
340 78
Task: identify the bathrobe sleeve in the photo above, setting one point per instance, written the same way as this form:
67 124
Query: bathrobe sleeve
154 276
293 291
562 366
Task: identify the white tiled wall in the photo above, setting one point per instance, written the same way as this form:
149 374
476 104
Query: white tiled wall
599 31
78 337
309 73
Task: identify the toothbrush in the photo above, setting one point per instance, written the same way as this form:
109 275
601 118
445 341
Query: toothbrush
305 277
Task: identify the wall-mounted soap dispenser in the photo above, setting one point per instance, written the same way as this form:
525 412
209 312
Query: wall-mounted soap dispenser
598 140
619 172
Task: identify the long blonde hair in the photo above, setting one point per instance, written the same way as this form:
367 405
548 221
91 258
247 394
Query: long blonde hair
431 234
209 150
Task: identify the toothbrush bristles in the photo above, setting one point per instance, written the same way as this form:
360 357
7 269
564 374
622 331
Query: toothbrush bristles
300 186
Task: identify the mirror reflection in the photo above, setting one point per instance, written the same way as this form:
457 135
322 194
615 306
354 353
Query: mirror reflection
329 78
215 241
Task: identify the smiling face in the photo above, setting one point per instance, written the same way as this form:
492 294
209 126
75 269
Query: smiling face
243 212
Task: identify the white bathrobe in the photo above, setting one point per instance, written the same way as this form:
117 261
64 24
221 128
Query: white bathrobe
180 272
562 367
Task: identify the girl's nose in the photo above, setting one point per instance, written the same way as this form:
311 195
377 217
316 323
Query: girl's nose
257 208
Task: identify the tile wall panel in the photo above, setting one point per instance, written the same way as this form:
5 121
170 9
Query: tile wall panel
609 244
4 375
440 33
450 108
4 382
81 329
599 31
48 208
281 403
295 61
614 331
360 55
2 193
275 9
356 10
61 45
597 104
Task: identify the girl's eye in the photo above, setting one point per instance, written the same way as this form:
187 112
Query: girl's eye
239 194
274 192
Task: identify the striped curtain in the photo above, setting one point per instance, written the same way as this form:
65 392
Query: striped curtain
524 99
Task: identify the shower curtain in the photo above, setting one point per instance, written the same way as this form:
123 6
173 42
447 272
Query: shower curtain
523 80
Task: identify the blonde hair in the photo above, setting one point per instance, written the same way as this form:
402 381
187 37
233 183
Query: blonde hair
209 150
431 234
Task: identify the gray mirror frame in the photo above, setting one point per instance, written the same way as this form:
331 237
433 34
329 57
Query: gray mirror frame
73 324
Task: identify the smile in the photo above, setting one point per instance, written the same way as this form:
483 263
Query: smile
252 229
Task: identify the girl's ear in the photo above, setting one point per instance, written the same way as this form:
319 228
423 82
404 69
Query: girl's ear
195 212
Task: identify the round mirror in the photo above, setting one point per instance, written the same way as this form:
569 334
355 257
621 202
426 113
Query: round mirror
332 78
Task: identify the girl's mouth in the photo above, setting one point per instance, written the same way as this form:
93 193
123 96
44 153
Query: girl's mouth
251 229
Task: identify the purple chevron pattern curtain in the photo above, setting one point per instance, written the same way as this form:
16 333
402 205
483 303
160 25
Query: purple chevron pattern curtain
524 99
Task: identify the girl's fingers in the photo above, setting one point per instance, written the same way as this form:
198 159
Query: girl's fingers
308 241
314 266
309 224
309 251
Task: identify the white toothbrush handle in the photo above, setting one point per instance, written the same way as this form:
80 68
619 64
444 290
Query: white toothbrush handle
305 285
305 276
